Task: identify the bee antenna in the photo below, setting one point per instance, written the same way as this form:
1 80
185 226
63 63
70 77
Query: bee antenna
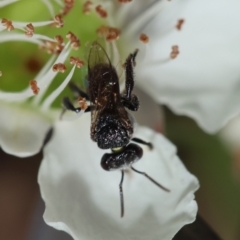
121 194
151 179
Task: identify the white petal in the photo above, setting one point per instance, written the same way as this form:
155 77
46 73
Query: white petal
4 3
22 130
83 199
203 82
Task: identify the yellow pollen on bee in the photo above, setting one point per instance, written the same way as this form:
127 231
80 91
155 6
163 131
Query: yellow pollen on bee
117 149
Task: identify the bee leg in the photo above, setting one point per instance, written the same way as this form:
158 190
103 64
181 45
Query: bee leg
138 140
132 103
68 106
77 91
121 194
130 100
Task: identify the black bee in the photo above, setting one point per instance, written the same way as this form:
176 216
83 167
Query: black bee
111 124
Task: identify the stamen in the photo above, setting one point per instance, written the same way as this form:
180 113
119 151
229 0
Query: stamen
50 99
46 75
7 2
53 47
109 33
21 25
179 24
175 52
68 5
43 79
101 12
8 24
82 103
58 21
87 7
144 38
34 86
49 7
7 37
75 42
59 67
29 30
76 61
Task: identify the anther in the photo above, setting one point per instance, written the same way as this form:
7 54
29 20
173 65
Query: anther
75 43
175 52
52 47
8 24
76 61
58 21
59 67
87 7
179 24
101 12
68 5
109 33
29 30
34 86
144 38
82 103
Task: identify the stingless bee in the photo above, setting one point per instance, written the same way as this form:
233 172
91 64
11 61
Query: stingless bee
111 124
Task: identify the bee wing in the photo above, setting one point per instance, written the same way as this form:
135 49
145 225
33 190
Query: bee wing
103 83
97 55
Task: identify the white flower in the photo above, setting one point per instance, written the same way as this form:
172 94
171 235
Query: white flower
83 199
201 82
